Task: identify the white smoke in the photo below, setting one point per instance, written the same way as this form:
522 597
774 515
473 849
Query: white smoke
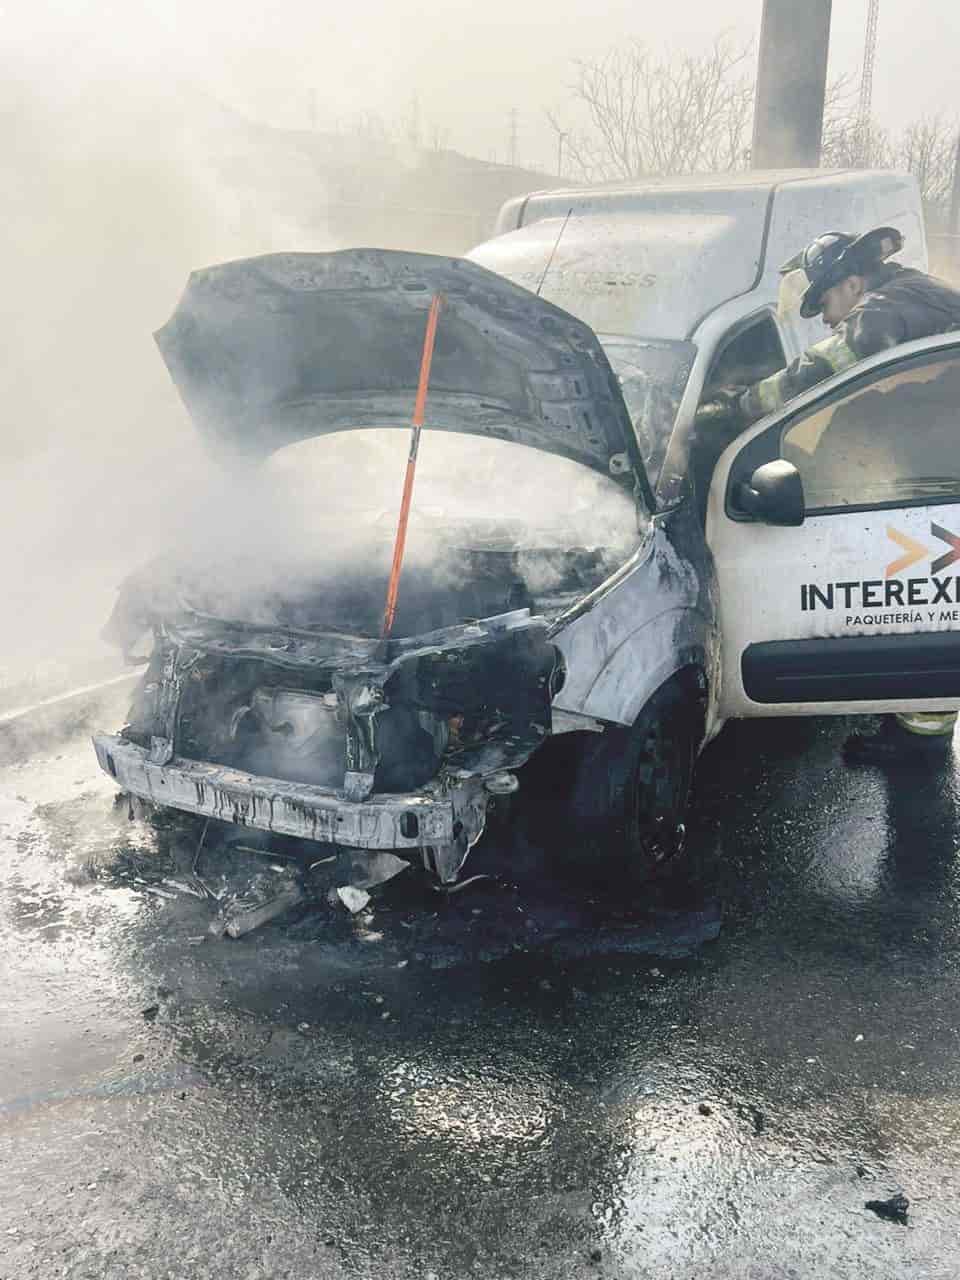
121 181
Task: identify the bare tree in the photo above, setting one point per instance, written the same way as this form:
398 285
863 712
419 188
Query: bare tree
654 115
409 128
370 126
928 148
850 144
439 137
847 143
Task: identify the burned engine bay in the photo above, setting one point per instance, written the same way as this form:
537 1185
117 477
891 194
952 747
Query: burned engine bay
263 692
270 697
269 689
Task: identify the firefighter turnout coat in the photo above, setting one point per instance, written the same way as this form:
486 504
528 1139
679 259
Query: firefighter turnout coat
900 304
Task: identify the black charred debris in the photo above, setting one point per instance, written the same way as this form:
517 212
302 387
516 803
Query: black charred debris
893 1210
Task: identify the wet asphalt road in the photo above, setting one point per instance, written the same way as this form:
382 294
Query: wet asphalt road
518 1082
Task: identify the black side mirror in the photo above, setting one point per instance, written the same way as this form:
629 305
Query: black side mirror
774 494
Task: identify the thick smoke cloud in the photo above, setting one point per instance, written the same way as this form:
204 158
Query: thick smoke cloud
116 192
121 182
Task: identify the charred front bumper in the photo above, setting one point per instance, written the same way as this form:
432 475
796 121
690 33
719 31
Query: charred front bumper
422 823
330 739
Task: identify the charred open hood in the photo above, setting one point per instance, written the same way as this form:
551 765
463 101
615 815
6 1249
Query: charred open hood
275 349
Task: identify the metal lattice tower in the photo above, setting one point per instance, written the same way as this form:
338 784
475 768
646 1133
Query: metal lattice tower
869 58
514 117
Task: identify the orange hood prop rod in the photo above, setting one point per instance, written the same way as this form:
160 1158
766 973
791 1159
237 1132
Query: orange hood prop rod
419 407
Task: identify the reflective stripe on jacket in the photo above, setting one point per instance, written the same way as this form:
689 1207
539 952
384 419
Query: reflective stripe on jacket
928 724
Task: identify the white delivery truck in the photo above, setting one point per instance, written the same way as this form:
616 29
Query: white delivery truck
819 574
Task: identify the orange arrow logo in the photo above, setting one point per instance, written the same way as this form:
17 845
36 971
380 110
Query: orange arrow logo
915 551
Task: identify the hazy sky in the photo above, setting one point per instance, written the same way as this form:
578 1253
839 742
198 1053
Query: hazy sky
108 205
468 62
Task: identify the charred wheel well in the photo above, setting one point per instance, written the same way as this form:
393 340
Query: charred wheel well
594 772
552 769
691 681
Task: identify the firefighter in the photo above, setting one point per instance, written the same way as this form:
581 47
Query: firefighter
870 304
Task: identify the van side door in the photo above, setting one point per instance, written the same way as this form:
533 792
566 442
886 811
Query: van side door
856 610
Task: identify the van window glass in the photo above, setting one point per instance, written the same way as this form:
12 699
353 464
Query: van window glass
652 374
746 356
895 439
752 354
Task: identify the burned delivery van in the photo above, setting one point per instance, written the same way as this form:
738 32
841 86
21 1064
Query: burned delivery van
564 576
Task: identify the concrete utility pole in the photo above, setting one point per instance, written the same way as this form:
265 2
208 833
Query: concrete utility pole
791 84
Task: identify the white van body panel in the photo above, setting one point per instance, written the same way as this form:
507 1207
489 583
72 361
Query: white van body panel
765 572
693 259
655 259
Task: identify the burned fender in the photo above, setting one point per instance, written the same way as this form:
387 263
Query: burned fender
657 616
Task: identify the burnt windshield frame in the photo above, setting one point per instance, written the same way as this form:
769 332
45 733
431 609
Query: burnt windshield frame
666 385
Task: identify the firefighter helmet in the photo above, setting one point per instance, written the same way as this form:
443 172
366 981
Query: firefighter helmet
835 255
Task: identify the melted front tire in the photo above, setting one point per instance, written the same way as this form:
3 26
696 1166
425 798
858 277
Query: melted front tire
632 787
